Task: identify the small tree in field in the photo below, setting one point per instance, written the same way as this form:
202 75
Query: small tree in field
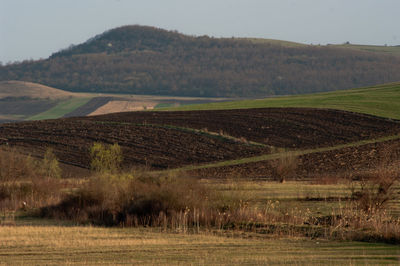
105 158
285 166
49 166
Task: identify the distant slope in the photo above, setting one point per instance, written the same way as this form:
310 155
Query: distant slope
382 100
16 89
150 61
390 50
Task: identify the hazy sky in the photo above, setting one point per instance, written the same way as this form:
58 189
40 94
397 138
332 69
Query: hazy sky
32 29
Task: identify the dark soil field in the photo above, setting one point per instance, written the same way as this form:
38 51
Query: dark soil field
152 146
340 163
24 107
147 138
278 127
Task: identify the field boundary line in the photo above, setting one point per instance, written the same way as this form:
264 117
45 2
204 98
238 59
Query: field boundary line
274 156
203 132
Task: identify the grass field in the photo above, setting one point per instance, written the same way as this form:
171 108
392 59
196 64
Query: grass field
87 245
383 100
61 109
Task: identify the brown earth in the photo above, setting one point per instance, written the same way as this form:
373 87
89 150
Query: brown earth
147 140
152 146
278 127
353 161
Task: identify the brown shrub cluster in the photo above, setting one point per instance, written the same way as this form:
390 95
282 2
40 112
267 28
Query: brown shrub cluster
26 182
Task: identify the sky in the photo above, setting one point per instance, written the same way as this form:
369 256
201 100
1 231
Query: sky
34 29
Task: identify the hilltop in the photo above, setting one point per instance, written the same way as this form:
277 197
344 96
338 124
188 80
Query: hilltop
151 61
16 89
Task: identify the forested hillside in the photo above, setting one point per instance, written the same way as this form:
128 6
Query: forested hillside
146 60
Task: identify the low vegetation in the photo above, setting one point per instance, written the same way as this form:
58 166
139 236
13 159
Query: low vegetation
139 198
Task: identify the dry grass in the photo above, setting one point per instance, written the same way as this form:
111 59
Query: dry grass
88 245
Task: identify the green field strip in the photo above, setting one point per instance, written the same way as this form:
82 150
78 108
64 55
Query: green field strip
279 155
382 101
61 109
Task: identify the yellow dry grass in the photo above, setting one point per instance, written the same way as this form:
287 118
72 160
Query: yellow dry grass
53 245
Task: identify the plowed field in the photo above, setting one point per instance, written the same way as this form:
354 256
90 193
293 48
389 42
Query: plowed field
152 146
339 163
159 140
279 127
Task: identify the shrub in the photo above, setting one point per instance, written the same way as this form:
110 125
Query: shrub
376 191
285 166
49 166
145 200
106 158
15 166
27 180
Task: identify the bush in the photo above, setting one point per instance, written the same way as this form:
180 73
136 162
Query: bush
26 180
15 166
49 167
375 191
106 159
145 200
285 166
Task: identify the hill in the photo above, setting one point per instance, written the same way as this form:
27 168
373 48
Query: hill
382 100
150 61
17 89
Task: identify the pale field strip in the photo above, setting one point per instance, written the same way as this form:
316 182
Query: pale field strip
124 106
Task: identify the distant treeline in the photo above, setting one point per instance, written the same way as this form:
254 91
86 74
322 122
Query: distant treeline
145 60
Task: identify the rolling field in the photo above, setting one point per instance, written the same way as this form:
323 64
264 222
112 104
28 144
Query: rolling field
167 140
382 100
278 127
